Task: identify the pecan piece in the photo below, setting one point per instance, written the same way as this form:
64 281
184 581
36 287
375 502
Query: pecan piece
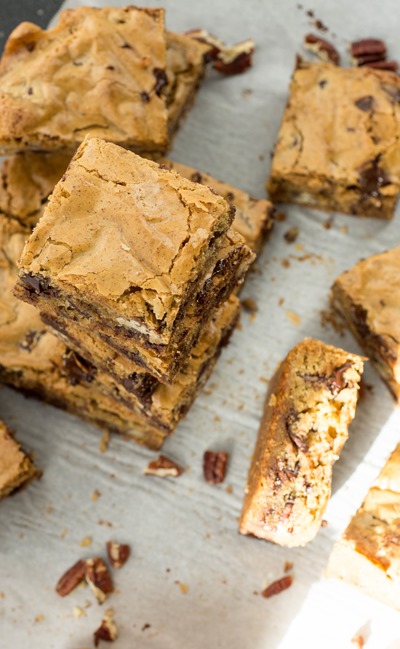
291 235
72 578
107 630
322 48
368 46
118 553
278 586
227 60
383 65
214 466
163 467
99 579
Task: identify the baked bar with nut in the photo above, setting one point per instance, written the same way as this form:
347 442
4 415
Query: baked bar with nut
368 298
99 72
367 553
139 252
16 467
309 406
337 147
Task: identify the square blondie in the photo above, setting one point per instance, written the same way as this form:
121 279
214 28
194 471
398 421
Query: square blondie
99 71
338 144
137 250
368 298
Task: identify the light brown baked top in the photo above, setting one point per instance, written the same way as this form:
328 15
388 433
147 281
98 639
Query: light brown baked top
310 403
373 287
125 233
99 72
16 468
342 124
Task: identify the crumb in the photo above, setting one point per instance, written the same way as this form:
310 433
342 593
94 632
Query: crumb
291 235
86 542
246 92
39 618
328 223
2 595
280 216
277 586
249 305
78 612
332 318
49 509
272 400
146 626
96 494
263 379
183 587
285 263
324 523
281 301
344 229
104 441
64 533
293 317
358 641
310 13
261 157
101 521
288 566
229 489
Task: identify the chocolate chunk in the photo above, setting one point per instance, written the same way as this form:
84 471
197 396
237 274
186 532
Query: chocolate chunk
336 382
145 97
31 340
161 80
297 439
365 103
77 368
35 284
197 177
372 178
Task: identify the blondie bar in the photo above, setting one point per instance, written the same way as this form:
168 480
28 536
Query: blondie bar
135 249
310 403
367 554
338 143
368 298
16 468
100 72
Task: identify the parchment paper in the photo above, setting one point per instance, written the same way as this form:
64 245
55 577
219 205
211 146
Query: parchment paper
192 578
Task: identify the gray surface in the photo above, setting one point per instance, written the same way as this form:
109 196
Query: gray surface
186 530
12 12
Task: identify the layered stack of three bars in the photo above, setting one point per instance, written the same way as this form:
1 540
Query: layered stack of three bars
135 267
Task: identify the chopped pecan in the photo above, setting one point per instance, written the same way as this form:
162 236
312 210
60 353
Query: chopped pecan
214 466
99 579
278 586
72 578
291 235
322 48
107 630
227 60
163 467
118 553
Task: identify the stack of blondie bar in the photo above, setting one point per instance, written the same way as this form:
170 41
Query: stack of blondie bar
132 265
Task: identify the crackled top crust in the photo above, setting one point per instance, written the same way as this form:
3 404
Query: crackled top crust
373 286
125 233
310 403
16 468
99 72
253 217
341 124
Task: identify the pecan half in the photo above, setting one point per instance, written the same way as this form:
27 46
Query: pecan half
163 467
72 578
368 46
214 466
99 578
383 65
322 48
107 630
118 553
278 586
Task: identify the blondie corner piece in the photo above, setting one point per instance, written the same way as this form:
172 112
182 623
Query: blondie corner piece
310 403
368 297
338 143
16 468
136 249
367 554
99 72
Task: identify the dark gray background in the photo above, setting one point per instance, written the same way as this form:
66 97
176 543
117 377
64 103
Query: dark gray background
34 11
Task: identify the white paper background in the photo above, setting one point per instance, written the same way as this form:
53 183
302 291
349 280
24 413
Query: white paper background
185 530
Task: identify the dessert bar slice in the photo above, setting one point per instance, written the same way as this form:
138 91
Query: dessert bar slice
310 403
34 360
134 248
16 468
368 298
367 554
100 72
338 143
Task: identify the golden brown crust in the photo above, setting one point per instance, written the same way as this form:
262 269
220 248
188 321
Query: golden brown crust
309 405
338 142
368 297
99 72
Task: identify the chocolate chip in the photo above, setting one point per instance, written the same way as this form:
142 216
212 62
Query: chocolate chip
30 46
372 178
30 91
145 97
365 103
161 80
31 340
110 67
77 368
197 177
35 284
126 46
297 439
322 83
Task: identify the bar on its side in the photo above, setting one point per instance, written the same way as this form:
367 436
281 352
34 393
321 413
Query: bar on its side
310 403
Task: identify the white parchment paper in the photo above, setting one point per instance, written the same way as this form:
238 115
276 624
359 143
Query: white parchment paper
192 581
